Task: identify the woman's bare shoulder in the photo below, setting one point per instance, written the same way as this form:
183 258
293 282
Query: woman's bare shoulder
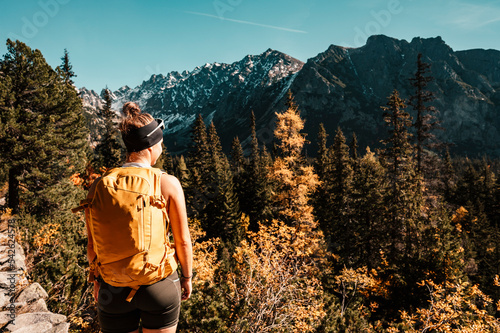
170 184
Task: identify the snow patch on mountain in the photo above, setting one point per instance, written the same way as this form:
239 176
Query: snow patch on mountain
176 122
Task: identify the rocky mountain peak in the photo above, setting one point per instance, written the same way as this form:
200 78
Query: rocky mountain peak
90 99
429 42
334 52
382 42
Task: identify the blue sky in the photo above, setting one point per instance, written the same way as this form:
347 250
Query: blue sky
115 43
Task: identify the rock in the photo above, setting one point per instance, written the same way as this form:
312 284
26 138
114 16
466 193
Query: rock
12 279
33 292
17 306
38 306
4 299
12 261
5 317
26 313
7 280
29 319
4 238
41 327
61 328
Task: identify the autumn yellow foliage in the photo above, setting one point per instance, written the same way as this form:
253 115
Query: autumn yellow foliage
205 262
453 308
294 181
351 282
47 235
270 283
276 278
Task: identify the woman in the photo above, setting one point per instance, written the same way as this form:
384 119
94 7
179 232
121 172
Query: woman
156 305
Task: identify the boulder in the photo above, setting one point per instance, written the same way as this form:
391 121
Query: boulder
12 261
5 317
41 327
30 319
31 293
4 299
61 328
37 306
12 279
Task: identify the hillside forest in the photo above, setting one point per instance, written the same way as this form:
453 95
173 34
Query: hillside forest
404 238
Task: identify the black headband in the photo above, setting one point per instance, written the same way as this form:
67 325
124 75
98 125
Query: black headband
144 137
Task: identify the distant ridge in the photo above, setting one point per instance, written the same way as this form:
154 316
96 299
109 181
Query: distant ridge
339 87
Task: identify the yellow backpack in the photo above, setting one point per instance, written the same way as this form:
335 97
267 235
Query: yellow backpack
129 224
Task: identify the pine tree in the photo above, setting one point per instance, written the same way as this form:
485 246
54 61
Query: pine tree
5 118
165 161
354 147
217 160
425 120
67 69
488 185
43 133
399 158
254 193
43 143
369 190
264 188
197 162
238 163
339 185
322 195
448 176
399 151
221 216
182 172
323 160
403 201
468 186
109 152
237 157
198 156
341 172
254 144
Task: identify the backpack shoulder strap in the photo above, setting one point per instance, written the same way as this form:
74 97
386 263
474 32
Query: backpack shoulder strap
157 199
85 203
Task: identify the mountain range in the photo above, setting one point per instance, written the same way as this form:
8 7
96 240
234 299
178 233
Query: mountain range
341 87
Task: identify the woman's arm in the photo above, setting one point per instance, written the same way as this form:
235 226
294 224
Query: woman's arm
90 241
176 206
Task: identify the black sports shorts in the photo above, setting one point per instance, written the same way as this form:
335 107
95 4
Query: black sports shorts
157 305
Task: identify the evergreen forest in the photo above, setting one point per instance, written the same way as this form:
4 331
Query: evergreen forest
403 238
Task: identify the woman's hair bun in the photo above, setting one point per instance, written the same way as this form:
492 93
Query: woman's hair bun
131 109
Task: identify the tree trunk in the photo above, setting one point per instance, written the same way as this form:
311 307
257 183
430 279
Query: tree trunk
13 198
